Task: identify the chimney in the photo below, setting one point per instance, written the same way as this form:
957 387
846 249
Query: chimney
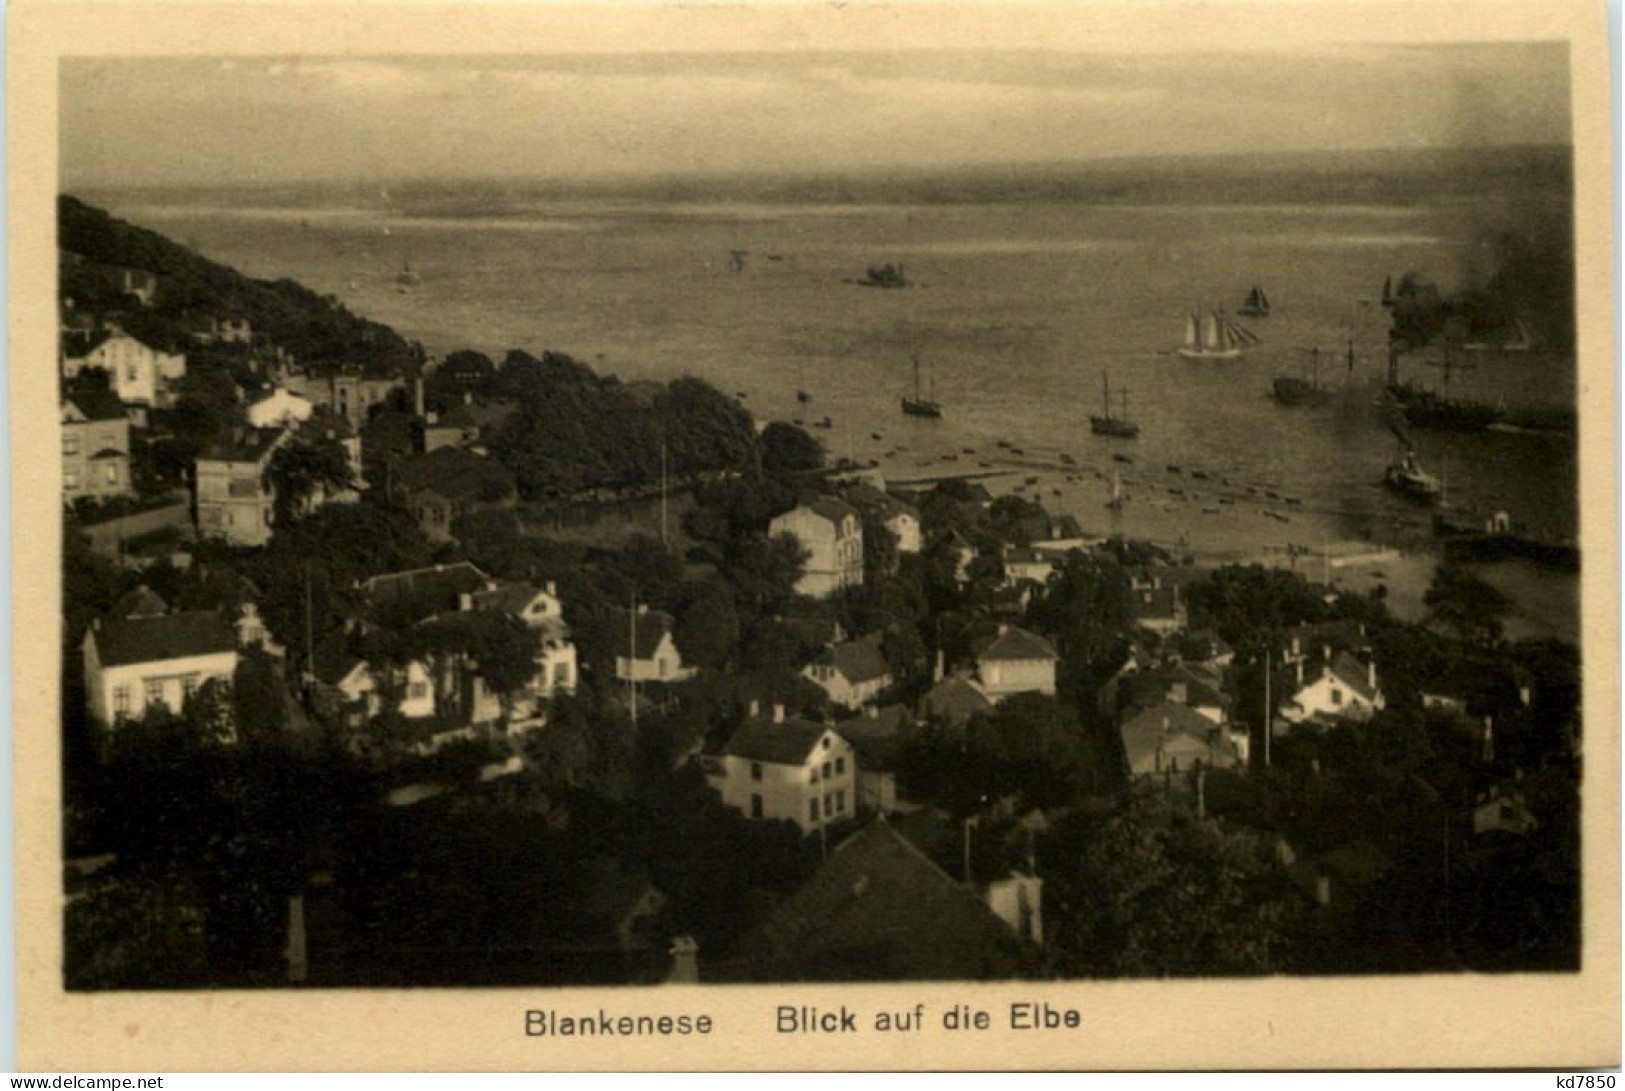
1296 652
938 670
465 601
643 608
1487 752
1003 628
1525 695
553 588
468 397
1299 663
685 961
1326 652
1323 890
871 712
755 708
1371 675
778 712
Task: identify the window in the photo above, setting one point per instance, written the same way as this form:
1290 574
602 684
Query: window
70 443
756 806
829 805
840 766
188 686
418 690
110 471
70 479
660 666
1337 696
840 802
121 700
755 770
155 692
812 809
826 770
814 778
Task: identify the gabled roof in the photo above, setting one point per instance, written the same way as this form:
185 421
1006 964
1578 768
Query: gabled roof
877 738
789 743
122 641
245 445
827 507
1157 685
954 700
879 909
507 597
1013 642
1155 727
858 660
653 626
1347 670
1160 602
96 405
421 592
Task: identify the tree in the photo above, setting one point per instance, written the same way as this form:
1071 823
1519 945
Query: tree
1465 604
260 698
708 628
1153 891
788 451
299 472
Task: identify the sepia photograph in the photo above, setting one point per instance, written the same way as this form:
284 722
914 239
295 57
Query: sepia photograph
969 512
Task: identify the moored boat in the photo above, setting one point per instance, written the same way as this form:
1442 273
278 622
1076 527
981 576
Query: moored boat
1108 425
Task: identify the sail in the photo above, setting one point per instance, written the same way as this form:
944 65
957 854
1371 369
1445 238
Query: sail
1212 331
1263 300
1192 339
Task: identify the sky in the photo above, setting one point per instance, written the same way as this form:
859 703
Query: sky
222 121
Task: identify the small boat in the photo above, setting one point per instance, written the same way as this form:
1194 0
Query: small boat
1017 451
1004 443
408 276
803 396
918 406
1257 304
825 423
1117 498
1108 425
1174 469
967 450
1068 460
1122 458
1277 516
1030 480
884 276
874 435
1215 337
740 394
1199 475
1405 475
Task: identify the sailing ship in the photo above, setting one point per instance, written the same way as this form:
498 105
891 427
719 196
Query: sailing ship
1108 425
919 406
408 276
1307 389
1388 296
1215 337
1257 305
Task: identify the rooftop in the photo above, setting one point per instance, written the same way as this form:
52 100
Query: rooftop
95 405
858 660
955 700
789 743
1013 642
151 639
879 909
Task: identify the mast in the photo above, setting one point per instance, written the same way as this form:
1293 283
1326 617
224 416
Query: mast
1192 335
1210 331
632 663
1106 395
1125 403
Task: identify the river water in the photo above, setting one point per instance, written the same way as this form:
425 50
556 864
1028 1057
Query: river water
1016 312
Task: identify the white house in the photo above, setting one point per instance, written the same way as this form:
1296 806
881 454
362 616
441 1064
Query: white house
898 516
852 673
1173 738
139 373
1014 660
650 652
779 769
279 407
364 695
1339 690
539 609
1026 566
234 500
832 534
142 655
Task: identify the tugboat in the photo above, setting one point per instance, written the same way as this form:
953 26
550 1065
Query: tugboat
1108 425
1405 475
918 406
1257 305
